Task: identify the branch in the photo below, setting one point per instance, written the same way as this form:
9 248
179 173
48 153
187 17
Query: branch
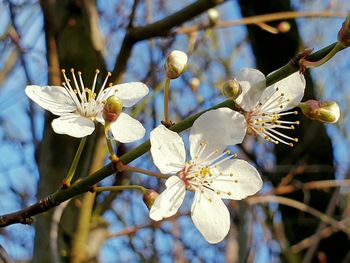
157 29
253 20
85 184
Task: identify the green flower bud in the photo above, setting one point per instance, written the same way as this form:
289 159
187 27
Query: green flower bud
232 89
322 111
149 197
176 63
112 109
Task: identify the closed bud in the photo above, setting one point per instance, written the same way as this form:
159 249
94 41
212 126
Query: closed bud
323 111
344 33
176 63
232 89
194 84
284 27
213 15
149 196
112 109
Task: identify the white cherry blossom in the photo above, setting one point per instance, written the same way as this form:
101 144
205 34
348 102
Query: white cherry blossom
211 173
79 107
265 107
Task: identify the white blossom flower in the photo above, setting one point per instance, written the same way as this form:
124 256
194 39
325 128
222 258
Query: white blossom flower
264 107
212 173
80 107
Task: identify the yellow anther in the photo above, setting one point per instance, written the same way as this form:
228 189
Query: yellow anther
296 112
63 71
297 122
235 155
296 139
72 70
110 84
292 127
291 144
97 71
231 174
109 74
228 152
229 193
79 72
218 193
209 199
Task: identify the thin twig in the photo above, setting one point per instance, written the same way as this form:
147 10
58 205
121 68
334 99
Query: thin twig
300 206
261 19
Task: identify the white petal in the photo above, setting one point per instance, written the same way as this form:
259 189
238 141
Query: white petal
129 93
169 201
168 150
219 128
52 98
253 83
239 179
210 216
126 129
292 87
73 125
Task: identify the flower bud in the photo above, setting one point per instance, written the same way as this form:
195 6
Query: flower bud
112 109
175 64
232 89
344 33
213 15
194 84
149 197
284 27
323 111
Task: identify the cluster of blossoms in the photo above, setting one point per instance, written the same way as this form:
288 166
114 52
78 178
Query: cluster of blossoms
212 172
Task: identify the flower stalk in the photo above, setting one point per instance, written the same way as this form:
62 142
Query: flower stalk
166 101
67 181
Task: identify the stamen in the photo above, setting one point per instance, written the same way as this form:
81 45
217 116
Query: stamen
80 92
103 85
95 80
82 86
201 148
272 136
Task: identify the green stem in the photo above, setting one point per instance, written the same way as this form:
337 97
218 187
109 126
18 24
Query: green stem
109 143
75 162
166 100
142 171
120 188
314 64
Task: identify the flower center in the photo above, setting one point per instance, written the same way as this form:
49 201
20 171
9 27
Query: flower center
202 171
87 101
265 119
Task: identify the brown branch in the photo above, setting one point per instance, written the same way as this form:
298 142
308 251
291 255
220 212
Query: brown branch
260 19
157 29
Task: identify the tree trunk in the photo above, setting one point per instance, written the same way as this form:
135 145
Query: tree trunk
68 46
